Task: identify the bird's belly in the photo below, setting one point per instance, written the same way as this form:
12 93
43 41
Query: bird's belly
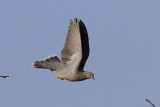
70 76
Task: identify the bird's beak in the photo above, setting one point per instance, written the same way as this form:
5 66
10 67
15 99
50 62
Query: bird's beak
93 78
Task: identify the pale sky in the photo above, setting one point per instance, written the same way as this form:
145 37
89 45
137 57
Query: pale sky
125 53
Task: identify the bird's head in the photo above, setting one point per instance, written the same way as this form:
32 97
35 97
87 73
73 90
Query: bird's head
89 75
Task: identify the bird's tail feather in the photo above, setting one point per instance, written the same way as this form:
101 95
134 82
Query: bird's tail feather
52 62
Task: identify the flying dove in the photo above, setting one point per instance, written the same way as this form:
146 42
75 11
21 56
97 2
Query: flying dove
73 55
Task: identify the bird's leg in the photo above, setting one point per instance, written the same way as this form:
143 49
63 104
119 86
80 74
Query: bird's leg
60 78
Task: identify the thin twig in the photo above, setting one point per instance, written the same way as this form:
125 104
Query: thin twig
1 76
150 102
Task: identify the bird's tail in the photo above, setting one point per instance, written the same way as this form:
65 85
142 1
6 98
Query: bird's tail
52 62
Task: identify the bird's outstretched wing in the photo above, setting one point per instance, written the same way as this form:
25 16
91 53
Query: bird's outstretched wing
76 49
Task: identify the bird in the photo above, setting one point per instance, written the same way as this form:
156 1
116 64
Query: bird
74 55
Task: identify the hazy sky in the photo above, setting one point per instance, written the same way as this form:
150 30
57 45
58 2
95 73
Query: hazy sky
125 52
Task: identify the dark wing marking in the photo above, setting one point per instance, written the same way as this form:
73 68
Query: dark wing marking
84 43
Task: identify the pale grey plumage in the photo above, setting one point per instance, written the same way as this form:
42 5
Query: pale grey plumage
73 55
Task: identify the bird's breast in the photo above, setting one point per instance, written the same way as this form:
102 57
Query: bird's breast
70 76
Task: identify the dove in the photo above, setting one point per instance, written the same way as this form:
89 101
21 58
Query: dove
73 55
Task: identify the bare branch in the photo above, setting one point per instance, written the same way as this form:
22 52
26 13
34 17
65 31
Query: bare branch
150 103
1 76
